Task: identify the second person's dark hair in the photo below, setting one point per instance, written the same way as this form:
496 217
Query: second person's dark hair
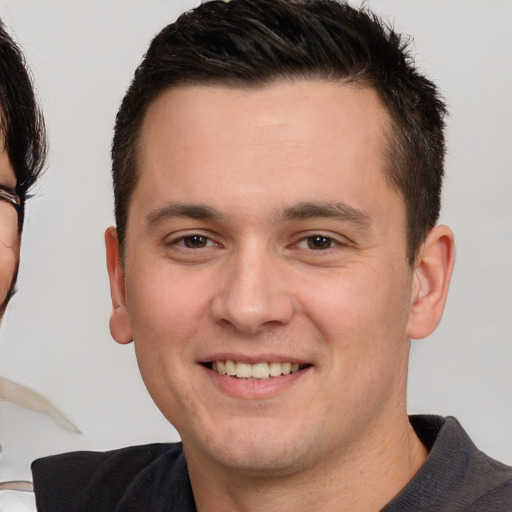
21 122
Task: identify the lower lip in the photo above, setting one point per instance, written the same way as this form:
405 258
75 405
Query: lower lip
255 389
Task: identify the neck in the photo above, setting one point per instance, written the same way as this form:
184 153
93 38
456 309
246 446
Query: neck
364 480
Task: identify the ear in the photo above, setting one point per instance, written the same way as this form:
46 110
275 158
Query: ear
432 273
120 326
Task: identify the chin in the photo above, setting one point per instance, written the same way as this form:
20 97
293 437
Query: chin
262 461
260 451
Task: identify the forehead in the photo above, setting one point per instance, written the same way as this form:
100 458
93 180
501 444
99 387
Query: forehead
287 138
324 106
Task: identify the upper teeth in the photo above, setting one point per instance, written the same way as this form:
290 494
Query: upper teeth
255 371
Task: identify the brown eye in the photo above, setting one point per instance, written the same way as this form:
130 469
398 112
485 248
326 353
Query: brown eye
195 241
319 242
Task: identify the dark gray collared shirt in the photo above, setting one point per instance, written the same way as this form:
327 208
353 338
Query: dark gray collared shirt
456 477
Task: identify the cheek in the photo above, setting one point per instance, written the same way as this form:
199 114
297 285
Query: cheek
166 309
9 257
362 313
357 299
168 315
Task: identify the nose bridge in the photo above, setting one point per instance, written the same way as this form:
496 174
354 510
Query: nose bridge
252 294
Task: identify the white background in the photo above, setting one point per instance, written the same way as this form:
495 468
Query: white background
55 336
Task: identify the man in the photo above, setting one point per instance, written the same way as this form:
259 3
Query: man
22 157
277 172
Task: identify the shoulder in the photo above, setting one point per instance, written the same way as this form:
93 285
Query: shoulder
456 475
496 493
498 499
485 482
82 481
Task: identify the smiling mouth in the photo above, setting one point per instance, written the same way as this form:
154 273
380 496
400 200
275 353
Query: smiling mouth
258 371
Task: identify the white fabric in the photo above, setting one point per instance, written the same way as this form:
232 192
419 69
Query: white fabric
17 501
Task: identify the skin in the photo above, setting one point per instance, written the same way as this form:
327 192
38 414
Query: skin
9 236
236 186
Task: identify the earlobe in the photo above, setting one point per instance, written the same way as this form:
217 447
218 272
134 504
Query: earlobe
431 280
120 326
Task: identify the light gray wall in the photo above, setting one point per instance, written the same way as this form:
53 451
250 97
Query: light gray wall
55 335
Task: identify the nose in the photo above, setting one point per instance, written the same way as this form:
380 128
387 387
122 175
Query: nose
253 294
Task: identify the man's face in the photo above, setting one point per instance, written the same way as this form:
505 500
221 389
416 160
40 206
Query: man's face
263 238
9 237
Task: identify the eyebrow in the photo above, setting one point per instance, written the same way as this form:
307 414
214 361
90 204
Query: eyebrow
338 210
300 211
191 211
